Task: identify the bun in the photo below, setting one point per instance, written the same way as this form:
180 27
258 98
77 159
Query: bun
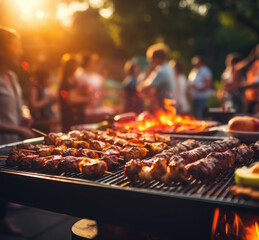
243 123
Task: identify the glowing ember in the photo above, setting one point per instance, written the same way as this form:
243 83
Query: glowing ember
167 121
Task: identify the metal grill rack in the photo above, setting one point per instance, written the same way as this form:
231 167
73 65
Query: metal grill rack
150 206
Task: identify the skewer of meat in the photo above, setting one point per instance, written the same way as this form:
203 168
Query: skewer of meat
90 167
216 162
110 136
132 149
176 168
137 169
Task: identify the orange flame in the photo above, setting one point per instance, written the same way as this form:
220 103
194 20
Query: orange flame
253 232
235 226
168 121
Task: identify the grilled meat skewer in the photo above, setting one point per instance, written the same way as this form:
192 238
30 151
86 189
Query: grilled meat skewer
176 168
88 166
137 169
216 162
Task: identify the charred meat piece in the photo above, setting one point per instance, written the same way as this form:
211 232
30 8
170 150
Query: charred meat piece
148 137
75 134
211 166
45 151
52 164
133 153
65 140
136 143
15 157
40 162
87 135
50 138
70 164
26 162
112 161
81 144
97 145
27 146
155 148
217 162
105 138
92 167
129 136
120 141
111 157
243 153
87 153
118 148
169 140
132 169
59 150
71 152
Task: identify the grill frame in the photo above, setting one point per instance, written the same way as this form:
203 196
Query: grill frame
131 205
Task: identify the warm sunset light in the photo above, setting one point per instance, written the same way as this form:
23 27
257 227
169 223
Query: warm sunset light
30 9
65 11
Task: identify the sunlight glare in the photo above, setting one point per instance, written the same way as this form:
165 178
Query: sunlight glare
96 3
65 11
28 8
40 14
106 12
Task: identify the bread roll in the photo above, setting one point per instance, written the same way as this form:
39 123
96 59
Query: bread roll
244 123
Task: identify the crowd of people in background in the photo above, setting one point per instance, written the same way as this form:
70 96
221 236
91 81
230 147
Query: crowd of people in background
81 88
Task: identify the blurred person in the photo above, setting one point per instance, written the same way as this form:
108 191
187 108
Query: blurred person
73 102
200 85
251 63
90 77
160 82
232 76
133 102
13 125
41 99
181 88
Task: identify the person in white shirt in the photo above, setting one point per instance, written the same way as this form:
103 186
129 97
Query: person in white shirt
181 88
89 77
200 84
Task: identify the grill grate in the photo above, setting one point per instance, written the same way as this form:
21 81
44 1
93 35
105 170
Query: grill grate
217 190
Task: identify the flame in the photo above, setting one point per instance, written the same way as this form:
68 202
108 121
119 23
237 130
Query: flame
231 225
253 232
215 221
168 121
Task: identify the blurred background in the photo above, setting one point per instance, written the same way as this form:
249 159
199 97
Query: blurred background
118 30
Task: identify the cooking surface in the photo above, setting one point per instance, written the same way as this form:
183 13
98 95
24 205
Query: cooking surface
215 192
114 198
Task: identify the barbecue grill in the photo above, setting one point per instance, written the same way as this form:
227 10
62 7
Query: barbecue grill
180 210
